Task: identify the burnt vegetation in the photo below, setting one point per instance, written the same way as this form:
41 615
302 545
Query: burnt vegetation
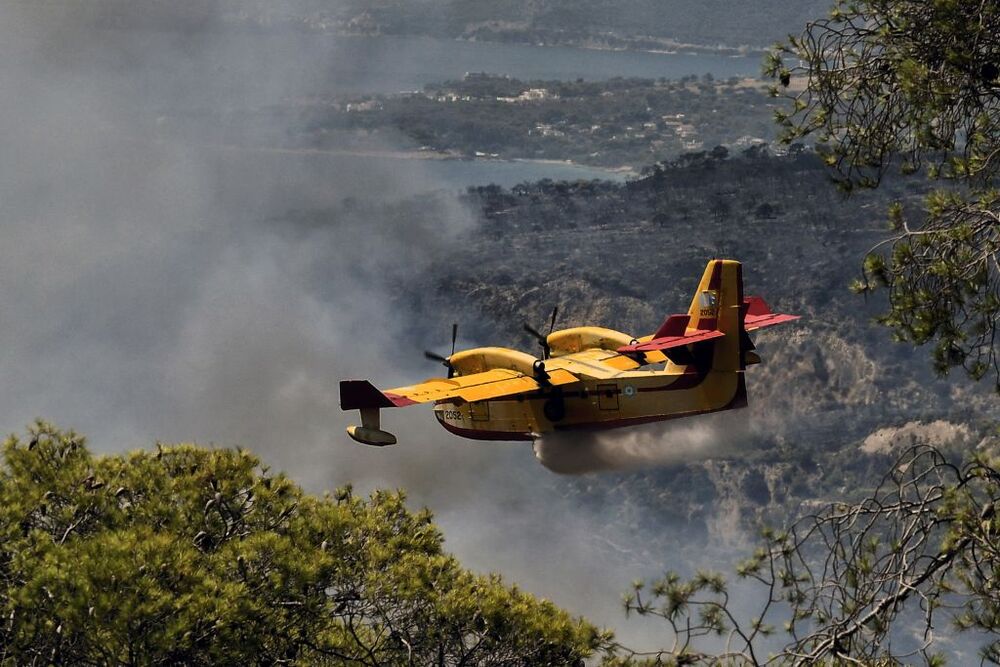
625 255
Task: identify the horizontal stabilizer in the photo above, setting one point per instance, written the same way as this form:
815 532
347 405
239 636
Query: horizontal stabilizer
667 342
360 394
759 315
674 325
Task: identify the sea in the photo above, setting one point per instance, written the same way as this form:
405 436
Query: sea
245 70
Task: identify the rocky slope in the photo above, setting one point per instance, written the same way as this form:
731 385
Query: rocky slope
834 400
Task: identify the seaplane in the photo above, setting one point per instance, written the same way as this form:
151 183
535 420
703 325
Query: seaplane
588 377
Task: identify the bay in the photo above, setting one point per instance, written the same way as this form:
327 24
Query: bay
252 69
153 74
391 64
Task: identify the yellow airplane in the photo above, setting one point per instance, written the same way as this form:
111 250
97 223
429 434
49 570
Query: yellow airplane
589 377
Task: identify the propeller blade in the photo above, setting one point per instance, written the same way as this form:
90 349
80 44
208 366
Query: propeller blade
454 336
534 332
555 313
434 356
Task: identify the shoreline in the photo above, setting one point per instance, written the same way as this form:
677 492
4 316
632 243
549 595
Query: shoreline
666 46
622 170
668 49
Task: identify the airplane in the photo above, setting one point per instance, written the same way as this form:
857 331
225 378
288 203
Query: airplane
589 378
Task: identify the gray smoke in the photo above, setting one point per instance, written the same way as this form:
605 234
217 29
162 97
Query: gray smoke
158 290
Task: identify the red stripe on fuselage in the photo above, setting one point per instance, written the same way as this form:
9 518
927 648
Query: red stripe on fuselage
684 381
738 401
476 434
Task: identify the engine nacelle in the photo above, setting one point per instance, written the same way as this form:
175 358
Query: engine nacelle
481 359
577 339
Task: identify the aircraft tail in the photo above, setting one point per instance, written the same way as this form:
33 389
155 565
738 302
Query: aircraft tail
718 306
713 333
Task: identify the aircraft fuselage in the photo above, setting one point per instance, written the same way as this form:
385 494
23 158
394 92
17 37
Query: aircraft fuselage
635 397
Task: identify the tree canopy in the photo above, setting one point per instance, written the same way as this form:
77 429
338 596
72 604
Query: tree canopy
186 555
913 85
876 582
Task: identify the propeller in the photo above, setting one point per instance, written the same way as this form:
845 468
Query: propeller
445 361
543 340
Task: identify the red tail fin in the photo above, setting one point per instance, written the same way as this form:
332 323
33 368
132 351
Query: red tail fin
758 314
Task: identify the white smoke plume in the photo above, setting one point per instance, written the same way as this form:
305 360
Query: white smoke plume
686 440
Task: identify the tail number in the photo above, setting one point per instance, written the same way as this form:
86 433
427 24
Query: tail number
708 302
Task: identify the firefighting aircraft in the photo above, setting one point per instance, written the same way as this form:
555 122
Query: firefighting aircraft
589 377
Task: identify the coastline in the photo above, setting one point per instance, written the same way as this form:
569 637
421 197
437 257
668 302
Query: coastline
664 45
621 170
668 48
625 169
389 154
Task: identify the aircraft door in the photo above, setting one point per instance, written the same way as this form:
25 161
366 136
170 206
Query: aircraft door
607 396
479 411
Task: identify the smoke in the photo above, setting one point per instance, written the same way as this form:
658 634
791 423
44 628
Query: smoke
154 290
666 443
163 291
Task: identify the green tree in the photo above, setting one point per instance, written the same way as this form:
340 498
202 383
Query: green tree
913 85
187 555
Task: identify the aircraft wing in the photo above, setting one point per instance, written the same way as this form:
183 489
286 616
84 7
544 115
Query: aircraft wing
592 364
620 362
495 383
759 315
667 342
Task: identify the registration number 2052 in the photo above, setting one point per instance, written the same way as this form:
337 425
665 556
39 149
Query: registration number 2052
453 415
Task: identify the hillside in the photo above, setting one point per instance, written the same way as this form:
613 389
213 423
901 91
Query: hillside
639 24
833 400
618 123
610 23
